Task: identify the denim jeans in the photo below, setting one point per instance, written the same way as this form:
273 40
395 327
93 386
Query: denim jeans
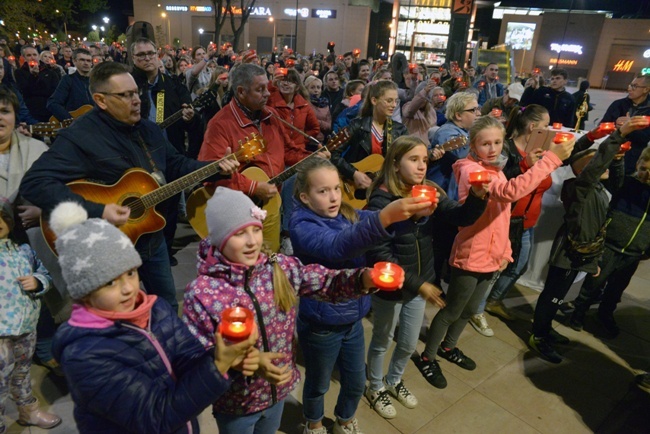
263 422
323 347
385 316
510 275
287 201
156 275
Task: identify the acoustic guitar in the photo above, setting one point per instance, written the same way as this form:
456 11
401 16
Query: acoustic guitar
371 166
139 190
52 127
197 201
206 98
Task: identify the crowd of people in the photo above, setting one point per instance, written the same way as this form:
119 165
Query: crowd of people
110 319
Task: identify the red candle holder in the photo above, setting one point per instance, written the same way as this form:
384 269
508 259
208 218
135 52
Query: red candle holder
625 147
562 137
32 63
236 324
607 127
356 52
479 178
647 118
425 191
557 125
290 63
496 112
387 276
413 68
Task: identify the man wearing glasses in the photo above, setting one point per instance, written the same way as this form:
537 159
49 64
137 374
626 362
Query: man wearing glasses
101 146
555 98
636 103
72 91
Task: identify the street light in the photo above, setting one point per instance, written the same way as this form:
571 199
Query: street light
201 31
94 27
102 28
169 32
271 19
106 20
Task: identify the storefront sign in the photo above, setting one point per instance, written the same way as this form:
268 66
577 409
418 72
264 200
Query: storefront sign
554 61
303 12
567 48
646 54
175 8
323 13
258 11
623 65
200 8
645 71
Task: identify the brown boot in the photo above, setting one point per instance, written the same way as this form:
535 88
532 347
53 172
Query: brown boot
30 414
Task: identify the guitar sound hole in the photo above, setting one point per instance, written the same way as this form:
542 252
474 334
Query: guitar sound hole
137 208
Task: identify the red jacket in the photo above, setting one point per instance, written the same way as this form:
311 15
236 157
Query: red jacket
302 116
230 126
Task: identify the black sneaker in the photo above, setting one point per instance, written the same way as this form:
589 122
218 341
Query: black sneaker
545 349
456 356
556 338
609 323
577 320
430 370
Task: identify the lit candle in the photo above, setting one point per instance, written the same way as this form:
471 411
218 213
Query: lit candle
625 147
557 125
236 323
607 127
562 137
387 276
479 178
496 112
356 51
426 191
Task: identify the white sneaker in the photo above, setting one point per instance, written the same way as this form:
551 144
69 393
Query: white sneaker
351 428
307 430
285 246
403 395
381 403
481 325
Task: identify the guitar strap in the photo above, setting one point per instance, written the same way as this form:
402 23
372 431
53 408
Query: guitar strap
157 174
160 107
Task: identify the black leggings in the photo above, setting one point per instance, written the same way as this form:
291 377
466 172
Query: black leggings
558 283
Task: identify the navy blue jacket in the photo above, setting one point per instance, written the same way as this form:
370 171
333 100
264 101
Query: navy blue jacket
334 243
639 138
71 93
119 382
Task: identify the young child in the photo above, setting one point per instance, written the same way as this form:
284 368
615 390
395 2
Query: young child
23 279
412 248
626 243
482 249
326 231
130 363
580 242
233 270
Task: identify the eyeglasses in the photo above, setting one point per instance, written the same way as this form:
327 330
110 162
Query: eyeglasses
473 110
128 95
636 86
147 55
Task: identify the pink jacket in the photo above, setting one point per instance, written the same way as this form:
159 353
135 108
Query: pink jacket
481 246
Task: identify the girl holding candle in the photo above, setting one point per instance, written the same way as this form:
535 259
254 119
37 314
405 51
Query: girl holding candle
411 248
130 363
326 231
233 271
482 249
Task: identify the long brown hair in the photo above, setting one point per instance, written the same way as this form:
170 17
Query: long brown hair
388 175
376 90
303 184
521 117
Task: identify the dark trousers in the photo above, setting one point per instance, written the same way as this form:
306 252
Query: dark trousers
558 282
616 271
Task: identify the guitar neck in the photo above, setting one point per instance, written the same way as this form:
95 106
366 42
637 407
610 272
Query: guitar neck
171 120
168 190
279 179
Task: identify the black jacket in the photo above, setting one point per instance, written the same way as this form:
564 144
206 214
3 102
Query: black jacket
412 245
36 89
360 144
639 138
560 105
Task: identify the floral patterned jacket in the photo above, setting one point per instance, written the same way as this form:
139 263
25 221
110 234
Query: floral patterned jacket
19 309
222 284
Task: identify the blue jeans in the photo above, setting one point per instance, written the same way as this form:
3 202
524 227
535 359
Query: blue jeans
385 316
510 275
287 201
324 346
263 422
156 275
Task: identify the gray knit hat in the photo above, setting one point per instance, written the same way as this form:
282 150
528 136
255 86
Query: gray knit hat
228 212
92 252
